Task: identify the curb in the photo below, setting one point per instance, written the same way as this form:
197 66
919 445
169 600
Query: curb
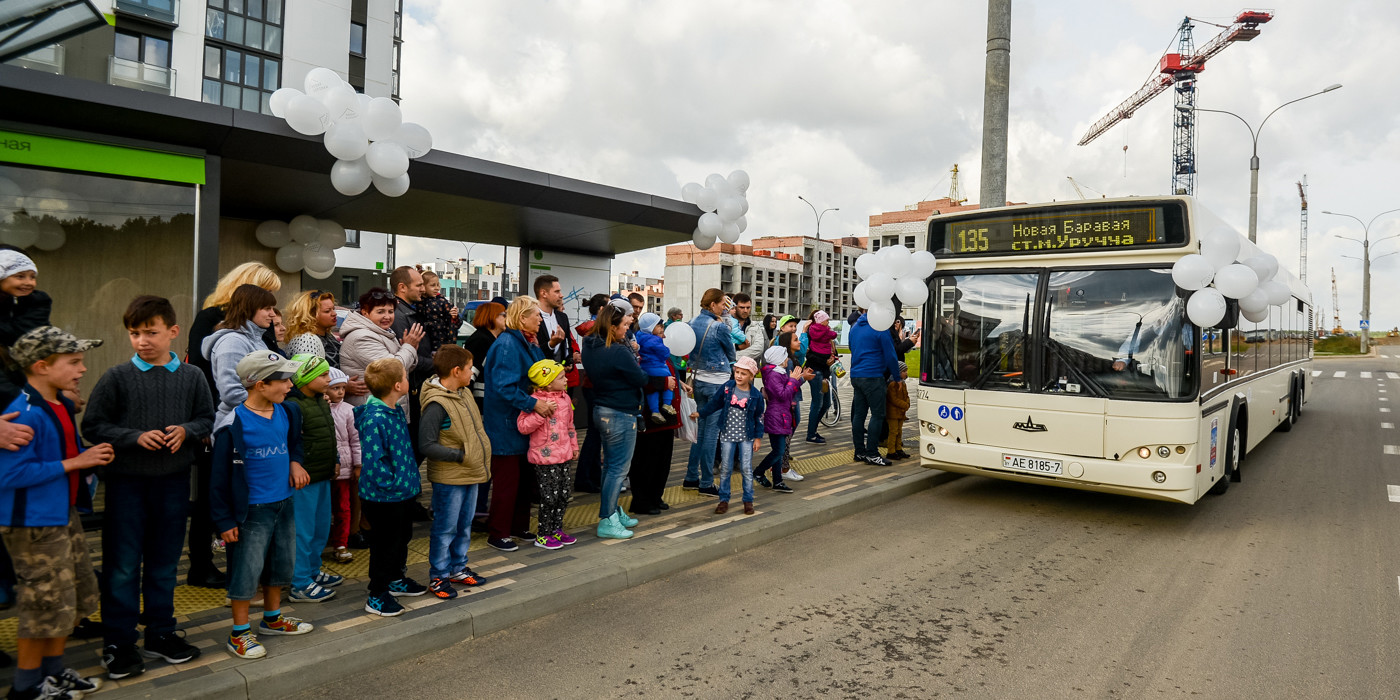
281 676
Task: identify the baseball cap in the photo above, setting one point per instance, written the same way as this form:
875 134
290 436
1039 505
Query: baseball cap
47 340
310 367
263 366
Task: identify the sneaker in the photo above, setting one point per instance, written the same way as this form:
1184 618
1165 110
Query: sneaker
858 457
343 555
383 605
325 580
710 491
467 577
218 546
877 461
311 594
669 410
170 646
505 544
791 475
87 628
690 485
564 538
657 418
122 660
763 481
75 683
406 587
548 542
50 688
817 439
526 535
442 588
245 646
289 626
781 487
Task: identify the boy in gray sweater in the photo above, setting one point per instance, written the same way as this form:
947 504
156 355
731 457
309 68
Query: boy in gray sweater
155 411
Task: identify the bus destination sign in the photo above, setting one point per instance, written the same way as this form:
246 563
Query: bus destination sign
1054 232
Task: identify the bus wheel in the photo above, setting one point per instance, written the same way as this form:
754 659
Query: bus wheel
1292 416
1232 462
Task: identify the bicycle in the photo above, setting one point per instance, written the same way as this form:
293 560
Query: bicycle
833 414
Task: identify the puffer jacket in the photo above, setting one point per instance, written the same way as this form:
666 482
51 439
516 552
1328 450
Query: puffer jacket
552 439
224 349
654 355
464 433
779 391
820 336
347 439
362 341
508 390
320 455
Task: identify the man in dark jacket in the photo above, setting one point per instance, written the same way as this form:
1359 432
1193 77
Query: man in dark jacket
873 365
407 283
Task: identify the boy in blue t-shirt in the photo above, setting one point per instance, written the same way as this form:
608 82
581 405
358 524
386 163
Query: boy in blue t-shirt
257 463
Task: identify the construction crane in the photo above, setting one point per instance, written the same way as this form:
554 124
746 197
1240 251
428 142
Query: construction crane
953 195
1180 70
1303 232
1075 184
1336 308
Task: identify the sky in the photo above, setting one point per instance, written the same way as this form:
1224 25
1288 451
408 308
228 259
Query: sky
866 105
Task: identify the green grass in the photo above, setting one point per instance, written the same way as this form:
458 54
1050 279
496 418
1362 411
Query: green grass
911 359
1338 345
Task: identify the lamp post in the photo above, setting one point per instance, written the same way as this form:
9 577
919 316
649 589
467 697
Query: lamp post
818 215
1365 242
1254 157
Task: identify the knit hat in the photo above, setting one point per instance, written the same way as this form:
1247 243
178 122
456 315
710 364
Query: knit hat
311 367
339 377
903 368
621 305
264 366
647 322
775 355
13 262
47 340
821 317
747 363
544 372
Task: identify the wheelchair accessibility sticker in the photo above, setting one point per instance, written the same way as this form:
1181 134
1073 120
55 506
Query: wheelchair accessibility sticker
955 412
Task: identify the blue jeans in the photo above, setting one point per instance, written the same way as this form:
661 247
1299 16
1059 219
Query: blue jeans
700 466
774 460
726 467
821 403
619 432
454 506
313 516
869 395
142 534
265 552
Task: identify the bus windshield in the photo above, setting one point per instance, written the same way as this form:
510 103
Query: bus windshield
1111 333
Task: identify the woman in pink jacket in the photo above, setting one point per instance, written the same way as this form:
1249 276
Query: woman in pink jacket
553 444
820 353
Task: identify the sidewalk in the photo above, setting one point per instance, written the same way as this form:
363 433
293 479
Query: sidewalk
522 585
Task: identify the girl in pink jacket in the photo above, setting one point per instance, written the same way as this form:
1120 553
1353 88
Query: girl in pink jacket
345 487
553 444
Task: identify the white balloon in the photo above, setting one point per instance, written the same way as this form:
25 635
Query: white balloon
707 199
320 80
1236 281
1277 292
743 224
51 236
362 108
880 287
307 116
414 138
1255 316
346 141
739 180
332 234
900 265
281 99
730 208
710 224
350 177
273 234
383 119
304 228
690 191
922 264
702 241
866 265
21 232
719 184
317 257
1265 266
1192 272
911 291
743 205
387 159
391 186
861 296
340 100
680 339
11 197
1255 302
289 257
730 233
317 274
1220 247
1206 307
880 316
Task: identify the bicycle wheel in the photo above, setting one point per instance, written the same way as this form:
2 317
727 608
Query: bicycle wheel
833 415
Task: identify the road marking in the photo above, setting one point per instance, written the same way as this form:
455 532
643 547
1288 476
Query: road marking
1384 409
1317 373
717 523
1392 449
828 492
1381 390
1392 375
1387 426
1384 399
1339 375
1365 375
1394 492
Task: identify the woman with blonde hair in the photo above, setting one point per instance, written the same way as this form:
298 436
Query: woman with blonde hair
508 392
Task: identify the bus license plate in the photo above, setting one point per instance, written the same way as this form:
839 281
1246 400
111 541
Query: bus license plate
1031 464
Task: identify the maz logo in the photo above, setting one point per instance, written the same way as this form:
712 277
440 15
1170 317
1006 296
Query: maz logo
1029 426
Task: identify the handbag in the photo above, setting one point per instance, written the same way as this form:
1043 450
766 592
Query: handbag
689 427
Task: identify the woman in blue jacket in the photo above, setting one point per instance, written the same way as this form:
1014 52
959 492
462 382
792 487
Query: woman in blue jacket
710 362
507 394
617 399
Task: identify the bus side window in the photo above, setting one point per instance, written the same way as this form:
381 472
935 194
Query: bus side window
1212 358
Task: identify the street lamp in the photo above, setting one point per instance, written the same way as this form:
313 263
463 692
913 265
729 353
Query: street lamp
1254 157
818 215
1365 242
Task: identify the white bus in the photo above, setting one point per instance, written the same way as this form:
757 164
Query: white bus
1057 351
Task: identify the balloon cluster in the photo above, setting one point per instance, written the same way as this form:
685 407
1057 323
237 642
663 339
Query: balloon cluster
1218 273
724 202
33 220
680 339
892 271
368 136
305 243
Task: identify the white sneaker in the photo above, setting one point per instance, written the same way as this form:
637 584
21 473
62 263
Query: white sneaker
791 475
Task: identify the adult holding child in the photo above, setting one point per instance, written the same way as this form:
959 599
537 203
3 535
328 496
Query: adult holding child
368 335
508 392
617 392
710 363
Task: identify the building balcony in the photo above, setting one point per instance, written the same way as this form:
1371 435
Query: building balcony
141 76
164 11
48 59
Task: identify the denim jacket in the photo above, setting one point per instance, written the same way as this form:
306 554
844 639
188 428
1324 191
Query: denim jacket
714 348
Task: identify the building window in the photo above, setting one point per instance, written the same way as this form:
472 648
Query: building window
349 287
142 48
352 238
908 241
357 38
242 53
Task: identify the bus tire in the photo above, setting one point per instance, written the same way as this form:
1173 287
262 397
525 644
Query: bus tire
1233 444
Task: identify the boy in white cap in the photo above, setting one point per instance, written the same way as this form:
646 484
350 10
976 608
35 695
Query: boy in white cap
655 357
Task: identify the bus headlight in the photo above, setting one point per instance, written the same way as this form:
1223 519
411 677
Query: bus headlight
1144 452
1159 477
1164 452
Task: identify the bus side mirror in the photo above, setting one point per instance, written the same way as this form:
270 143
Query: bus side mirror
1232 315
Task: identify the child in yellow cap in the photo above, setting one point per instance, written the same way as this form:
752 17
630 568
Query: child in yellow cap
553 444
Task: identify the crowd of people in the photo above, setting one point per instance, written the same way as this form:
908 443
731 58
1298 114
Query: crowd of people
291 437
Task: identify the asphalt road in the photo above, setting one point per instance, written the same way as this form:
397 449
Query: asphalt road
1286 586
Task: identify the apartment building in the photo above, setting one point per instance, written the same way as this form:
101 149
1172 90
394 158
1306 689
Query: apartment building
909 226
784 274
652 289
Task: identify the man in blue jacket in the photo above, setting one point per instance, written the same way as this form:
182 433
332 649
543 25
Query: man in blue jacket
873 363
